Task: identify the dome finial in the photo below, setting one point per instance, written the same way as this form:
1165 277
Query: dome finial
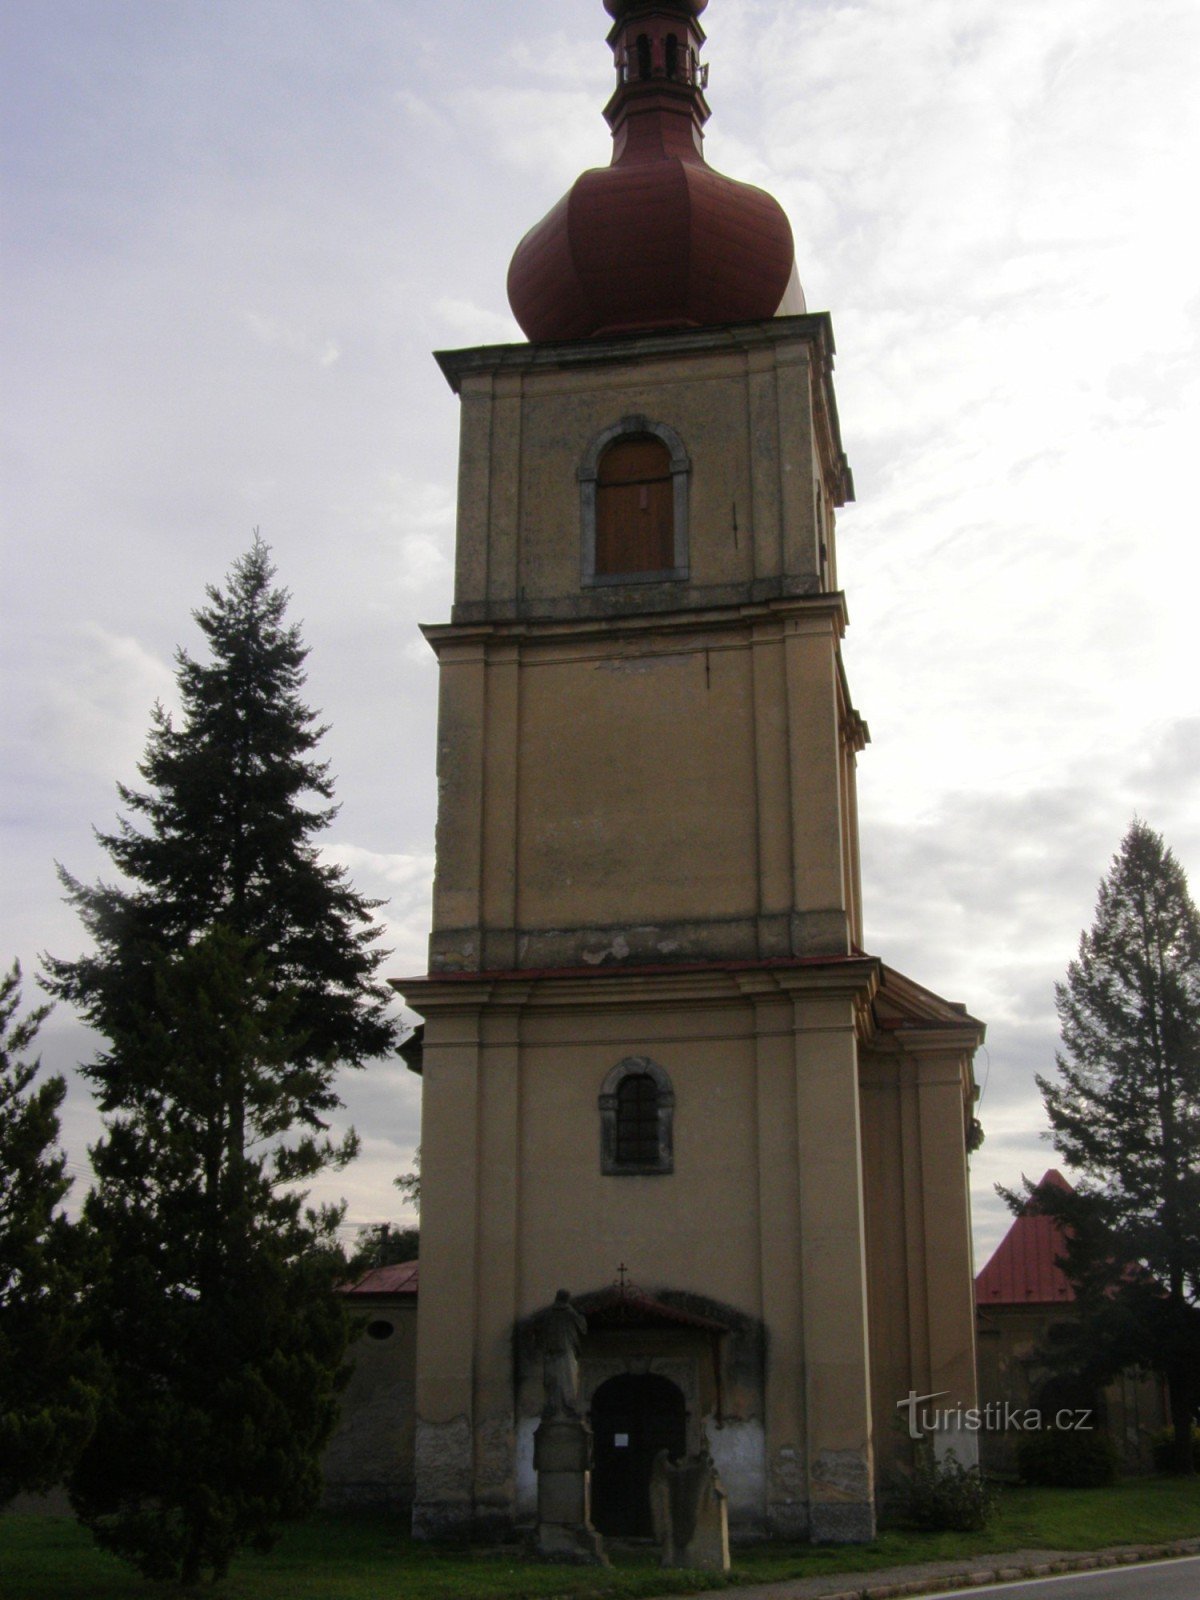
656 50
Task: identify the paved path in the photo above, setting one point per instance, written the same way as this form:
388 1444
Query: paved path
1177 1578
940 1577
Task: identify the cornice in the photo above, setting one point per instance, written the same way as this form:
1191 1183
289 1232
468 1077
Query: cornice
811 327
853 977
828 609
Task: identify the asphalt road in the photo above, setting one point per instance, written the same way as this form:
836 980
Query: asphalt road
1152 1580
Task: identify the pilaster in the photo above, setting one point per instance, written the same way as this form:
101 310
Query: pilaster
840 1458
448 1306
782 1288
949 1275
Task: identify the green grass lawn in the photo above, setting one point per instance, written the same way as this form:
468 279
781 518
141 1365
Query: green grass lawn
372 1558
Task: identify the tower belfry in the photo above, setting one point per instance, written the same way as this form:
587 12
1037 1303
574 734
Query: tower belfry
652 1034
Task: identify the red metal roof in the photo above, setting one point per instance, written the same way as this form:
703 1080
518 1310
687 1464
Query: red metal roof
400 1279
618 8
1023 1271
629 1306
658 239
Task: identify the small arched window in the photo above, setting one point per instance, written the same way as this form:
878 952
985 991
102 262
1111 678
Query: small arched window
672 56
643 55
633 485
637 1108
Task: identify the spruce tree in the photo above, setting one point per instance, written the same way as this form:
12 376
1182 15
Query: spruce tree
233 974
47 1380
1125 1112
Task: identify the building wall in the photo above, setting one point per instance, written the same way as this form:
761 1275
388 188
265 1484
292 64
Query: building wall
369 1458
647 846
1132 1408
753 409
679 791
915 1103
763 1213
647 771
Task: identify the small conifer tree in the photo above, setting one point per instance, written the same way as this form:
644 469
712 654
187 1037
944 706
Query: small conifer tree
47 1381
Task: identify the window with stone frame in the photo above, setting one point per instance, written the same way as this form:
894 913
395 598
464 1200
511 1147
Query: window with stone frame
637 1107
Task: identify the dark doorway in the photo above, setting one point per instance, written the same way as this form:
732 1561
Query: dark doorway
633 1418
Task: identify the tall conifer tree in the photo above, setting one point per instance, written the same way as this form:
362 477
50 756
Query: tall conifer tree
233 974
1125 1112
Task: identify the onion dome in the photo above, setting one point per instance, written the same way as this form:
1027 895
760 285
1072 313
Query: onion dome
657 239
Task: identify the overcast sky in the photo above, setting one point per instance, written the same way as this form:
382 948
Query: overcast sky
234 231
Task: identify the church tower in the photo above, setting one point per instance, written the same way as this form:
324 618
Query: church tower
659 1067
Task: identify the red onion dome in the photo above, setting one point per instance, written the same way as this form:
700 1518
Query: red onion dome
657 239
621 8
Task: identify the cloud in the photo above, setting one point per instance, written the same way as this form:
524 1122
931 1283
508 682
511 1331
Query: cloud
550 132
476 324
278 335
383 1104
405 883
94 713
413 521
983 897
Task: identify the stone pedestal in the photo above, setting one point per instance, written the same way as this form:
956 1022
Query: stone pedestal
690 1510
562 1458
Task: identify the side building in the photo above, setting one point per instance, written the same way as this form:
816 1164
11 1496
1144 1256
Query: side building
1024 1300
368 1460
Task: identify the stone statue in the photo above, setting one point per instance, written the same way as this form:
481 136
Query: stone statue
562 1443
560 1332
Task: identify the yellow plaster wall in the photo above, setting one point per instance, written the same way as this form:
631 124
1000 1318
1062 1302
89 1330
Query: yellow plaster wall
921 1290
686 786
634 776
632 769
695 1229
762 1212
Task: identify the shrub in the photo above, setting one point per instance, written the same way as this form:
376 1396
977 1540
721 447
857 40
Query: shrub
943 1495
1163 1446
1066 1458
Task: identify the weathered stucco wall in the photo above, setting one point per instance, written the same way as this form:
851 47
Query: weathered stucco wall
647 771
369 1458
762 1213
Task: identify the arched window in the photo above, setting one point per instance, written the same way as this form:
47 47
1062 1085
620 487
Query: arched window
672 56
637 1120
635 517
637 1108
633 485
643 55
